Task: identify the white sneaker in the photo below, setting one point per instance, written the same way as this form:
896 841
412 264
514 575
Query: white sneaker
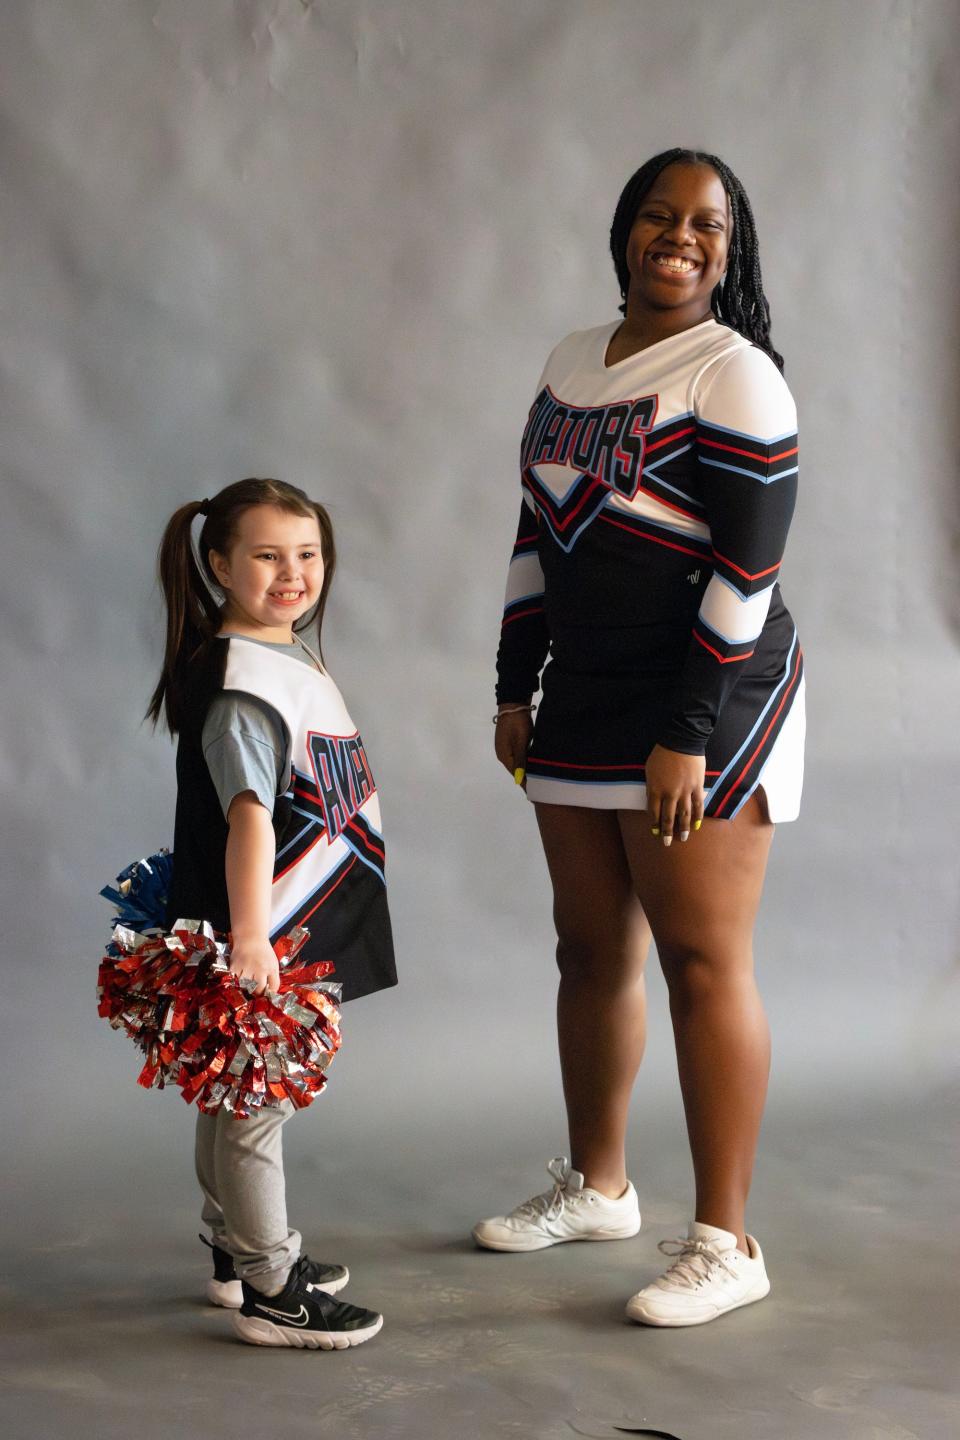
708 1277
567 1212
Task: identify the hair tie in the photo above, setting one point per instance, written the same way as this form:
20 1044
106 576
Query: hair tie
203 507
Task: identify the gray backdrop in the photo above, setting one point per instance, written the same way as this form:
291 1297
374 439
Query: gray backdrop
333 242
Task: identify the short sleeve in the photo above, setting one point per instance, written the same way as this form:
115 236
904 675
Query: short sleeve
245 745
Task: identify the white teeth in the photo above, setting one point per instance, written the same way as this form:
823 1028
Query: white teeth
675 262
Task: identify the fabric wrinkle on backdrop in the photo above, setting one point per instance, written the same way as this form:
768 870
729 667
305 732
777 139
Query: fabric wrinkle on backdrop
334 242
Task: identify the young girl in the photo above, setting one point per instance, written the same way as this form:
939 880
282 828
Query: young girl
277 825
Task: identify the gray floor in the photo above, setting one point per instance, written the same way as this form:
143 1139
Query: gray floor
107 1334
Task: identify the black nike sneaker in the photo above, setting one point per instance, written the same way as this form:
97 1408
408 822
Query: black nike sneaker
303 1316
225 1288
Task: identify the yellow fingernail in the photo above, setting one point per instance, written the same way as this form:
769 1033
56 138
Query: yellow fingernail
655 830
519 774
697 824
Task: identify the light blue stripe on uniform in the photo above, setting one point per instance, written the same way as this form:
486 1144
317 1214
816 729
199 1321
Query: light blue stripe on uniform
763 714
311 821
740 594
751 474
562 499
745 434
661 525
728 639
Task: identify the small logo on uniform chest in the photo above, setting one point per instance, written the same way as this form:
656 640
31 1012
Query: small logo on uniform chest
694 577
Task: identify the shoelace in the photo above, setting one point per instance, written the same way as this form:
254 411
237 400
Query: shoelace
301 1269
550 1204
694 1262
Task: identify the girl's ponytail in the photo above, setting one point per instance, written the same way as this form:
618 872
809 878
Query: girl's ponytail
193 616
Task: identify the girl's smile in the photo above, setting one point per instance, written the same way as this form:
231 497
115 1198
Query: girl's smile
674 264
273 573
678 242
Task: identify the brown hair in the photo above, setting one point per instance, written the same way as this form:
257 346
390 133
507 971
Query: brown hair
193 614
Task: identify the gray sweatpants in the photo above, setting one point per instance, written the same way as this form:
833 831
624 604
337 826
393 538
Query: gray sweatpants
240 1169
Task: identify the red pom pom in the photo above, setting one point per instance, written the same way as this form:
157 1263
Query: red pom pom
204 1030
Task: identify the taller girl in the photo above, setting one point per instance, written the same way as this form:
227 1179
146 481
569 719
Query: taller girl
277 825
659 475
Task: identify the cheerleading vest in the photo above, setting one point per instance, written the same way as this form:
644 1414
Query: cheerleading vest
329 867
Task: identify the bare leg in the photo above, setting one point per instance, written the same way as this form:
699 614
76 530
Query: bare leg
701 899
603 940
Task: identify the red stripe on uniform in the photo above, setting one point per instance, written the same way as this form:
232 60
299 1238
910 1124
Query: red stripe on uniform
724 659
570 765
668 440
509 619
324 898
321 836
548 503
751 455
352 825
746 573
642 535
645 489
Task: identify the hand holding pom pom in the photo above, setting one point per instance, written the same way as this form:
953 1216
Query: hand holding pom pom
255 960
201 1027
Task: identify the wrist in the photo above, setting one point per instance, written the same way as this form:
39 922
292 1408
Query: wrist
249 935
681 745
514 709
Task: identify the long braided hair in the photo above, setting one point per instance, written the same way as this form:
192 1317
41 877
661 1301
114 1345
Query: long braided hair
738 300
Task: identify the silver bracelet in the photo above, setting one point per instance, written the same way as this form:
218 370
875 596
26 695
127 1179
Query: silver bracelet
515 710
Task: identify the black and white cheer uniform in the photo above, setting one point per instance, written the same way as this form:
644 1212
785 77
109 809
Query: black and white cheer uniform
657 495
329 867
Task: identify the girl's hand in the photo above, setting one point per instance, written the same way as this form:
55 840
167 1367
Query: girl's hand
252 959
512 741
674 793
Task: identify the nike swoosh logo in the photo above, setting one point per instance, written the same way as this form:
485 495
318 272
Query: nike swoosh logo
301 1318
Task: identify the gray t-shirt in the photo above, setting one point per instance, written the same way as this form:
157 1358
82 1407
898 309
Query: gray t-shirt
245 741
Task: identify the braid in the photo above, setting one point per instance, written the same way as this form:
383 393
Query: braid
738 301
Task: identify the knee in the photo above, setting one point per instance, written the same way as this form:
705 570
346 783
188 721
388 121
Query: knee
577 958
599 960
697 976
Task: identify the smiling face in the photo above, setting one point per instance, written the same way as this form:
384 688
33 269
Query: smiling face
272 573
677 248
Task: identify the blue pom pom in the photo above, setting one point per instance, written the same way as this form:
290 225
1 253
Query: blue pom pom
140 893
